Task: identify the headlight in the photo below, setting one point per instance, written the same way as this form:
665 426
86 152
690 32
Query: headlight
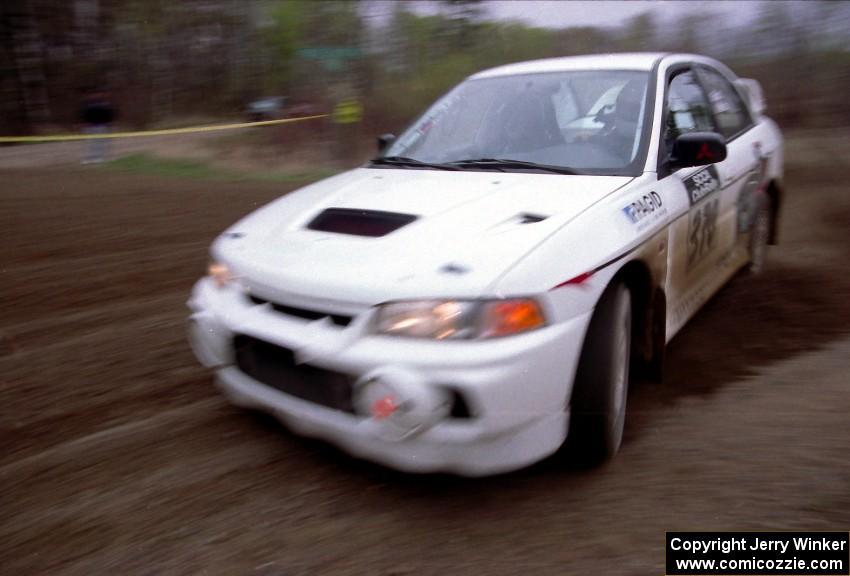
219 273
459 319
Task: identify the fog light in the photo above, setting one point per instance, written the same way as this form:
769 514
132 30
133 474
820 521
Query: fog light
400 401
384 407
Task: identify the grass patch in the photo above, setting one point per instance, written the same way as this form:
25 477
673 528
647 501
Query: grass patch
194 169
147 164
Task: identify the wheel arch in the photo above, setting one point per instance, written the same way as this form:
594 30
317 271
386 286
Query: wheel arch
585 441
775 194
649 309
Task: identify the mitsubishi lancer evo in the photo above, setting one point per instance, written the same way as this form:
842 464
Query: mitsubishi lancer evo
482 292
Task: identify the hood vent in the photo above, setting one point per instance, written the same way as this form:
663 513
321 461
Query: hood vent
516 221
526 218
372 223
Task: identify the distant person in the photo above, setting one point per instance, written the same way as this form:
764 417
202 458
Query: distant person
97 114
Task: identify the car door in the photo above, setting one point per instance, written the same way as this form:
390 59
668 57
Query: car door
740 174
701 212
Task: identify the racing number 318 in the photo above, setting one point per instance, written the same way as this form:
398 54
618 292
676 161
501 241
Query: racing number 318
702 227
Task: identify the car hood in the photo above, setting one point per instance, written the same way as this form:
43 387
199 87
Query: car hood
469 228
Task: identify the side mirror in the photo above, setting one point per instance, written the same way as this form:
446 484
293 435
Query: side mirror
384 140
697 149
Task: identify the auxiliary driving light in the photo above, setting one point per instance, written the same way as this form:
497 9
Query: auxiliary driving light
400 402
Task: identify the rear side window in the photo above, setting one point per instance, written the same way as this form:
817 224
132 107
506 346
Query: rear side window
726 104
687 108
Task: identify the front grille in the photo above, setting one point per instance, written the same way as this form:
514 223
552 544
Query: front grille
339 319
275 367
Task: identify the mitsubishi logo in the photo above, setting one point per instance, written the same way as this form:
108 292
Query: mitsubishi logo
705 152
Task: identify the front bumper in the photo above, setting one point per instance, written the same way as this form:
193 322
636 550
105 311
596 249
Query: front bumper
516 387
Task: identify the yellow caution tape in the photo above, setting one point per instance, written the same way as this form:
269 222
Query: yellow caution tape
59 138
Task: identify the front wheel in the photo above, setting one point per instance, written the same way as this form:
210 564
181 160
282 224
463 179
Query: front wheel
598 404
760 235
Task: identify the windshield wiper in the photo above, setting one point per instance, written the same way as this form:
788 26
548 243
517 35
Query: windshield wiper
403 161
507 164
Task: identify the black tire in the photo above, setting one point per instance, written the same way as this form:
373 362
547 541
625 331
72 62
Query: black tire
760 234
600 390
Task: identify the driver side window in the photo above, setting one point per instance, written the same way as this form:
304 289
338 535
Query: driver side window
687 108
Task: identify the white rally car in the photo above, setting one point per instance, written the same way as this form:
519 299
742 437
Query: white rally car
486 287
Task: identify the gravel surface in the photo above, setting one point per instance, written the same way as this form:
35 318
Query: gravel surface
119 456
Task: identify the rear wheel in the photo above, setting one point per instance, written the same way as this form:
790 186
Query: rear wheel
598 404
760 235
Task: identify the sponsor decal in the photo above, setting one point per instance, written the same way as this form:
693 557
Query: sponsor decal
645 209
702 184
428 122
702 188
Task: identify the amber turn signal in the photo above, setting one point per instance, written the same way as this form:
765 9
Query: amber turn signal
511 317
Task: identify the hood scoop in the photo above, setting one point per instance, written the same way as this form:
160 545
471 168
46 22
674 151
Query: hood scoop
373 223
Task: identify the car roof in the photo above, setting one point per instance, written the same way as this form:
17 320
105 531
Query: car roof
615 61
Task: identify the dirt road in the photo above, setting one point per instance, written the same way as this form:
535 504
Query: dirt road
118 455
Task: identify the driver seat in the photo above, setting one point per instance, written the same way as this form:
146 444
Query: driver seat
529 122
626 116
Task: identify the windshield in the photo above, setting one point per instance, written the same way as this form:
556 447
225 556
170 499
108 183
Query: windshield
584 121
